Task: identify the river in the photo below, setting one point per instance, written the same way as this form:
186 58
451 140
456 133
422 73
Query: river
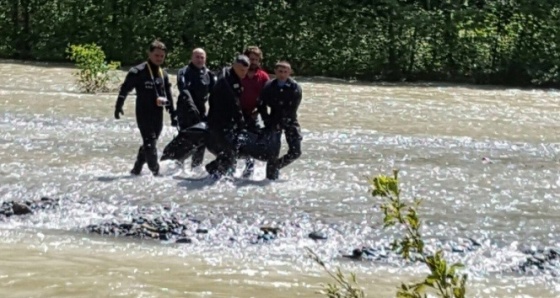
484 159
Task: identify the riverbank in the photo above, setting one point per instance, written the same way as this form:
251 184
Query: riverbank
427 81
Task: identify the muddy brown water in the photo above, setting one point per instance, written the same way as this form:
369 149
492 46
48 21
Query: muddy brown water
485 160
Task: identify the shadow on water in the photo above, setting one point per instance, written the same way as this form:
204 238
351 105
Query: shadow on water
115 178
195 183
192 183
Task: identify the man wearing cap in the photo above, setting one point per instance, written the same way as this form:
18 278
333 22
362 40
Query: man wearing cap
194 83
252 85
283 96
225 117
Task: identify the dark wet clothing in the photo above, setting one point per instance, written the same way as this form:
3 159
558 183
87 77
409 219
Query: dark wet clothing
283 101
225 111
225 120
149 116
194 85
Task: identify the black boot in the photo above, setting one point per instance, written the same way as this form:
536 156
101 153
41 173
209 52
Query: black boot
198 157
150 153
212 169
272 171
155 171
140 161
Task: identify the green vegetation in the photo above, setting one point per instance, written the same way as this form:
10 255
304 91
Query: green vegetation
94 73
344 287
512 42
443 279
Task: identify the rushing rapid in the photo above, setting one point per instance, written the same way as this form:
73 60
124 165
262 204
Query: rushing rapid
485 160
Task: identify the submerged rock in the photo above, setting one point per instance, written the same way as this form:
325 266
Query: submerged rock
317 236
368 253
542 259
170 226
183 240
163 228
10 208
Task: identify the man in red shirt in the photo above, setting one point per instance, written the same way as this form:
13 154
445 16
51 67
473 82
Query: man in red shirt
252 85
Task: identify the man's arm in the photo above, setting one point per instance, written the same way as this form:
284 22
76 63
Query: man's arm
238 113
185 97
262 107
127 86
215 106
291 113
170 107
213 79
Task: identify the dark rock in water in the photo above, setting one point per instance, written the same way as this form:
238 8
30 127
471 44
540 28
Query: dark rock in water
266 237
11 208
269 234
201 231
458 249
270 230
195 220
367 253
183 240
317 236
540 259
164 236
474 242
357 253
163 228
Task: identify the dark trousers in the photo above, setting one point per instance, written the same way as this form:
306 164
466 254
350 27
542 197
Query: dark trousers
227 157
150 124
198 155
293 138
252 126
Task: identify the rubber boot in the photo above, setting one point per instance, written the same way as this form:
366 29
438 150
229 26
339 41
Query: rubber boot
140 161
150 152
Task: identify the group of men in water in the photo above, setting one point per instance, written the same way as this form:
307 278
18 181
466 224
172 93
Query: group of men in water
236 96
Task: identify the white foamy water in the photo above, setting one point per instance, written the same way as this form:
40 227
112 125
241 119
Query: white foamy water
485 160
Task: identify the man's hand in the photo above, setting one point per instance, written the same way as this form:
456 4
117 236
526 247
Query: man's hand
173 116
117 112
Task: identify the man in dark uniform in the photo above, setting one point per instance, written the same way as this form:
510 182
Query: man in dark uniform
283 96
194 83
225 117
153 93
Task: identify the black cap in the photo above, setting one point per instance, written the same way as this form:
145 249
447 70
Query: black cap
243 60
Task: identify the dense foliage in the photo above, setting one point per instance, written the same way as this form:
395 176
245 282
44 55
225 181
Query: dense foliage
94 73
500 42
